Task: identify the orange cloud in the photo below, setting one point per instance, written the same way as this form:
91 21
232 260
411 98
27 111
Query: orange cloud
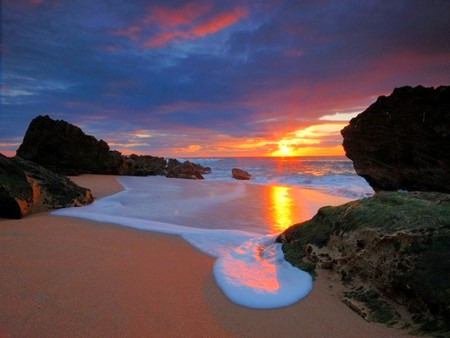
309 141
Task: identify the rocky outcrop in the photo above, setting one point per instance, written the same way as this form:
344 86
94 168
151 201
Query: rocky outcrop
64 148
240 174
391 248
402 141
26 187
186 169
142 165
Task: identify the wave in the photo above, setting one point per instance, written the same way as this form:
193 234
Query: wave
334 176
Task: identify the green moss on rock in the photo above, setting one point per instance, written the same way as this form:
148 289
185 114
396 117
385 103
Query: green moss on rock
394 243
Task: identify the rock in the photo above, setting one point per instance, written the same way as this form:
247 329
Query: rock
64 148
240 174
186 169
389 248
26 187
403 141
143 165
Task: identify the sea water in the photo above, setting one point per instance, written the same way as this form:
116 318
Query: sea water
331 175
236 221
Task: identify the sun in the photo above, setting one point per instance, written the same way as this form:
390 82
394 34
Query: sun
284 150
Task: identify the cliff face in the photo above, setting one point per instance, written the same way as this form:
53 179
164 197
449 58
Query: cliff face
389 248
403 141
26 187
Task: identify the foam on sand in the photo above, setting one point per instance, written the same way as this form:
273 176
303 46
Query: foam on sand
223 220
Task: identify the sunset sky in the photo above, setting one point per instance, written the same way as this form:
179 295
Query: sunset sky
213 78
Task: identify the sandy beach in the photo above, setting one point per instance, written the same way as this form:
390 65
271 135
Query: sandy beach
69 277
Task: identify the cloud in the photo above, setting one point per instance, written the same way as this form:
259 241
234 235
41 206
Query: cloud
219 22
176 16
231 77
163 25
344 117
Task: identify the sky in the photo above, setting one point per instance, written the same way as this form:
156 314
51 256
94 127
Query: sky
213 78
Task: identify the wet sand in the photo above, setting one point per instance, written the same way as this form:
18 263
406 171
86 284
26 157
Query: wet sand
69 277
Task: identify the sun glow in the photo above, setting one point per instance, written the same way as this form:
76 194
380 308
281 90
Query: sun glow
314 140
284 150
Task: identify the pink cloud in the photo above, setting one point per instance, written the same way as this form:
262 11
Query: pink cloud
173 17
219 22
162 26
162 39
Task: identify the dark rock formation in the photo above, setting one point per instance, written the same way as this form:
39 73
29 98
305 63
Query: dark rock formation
392 248
240 174
26 187
403 141
144 165
64 148
186 169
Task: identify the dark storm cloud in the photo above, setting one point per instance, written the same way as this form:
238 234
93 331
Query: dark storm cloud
238 68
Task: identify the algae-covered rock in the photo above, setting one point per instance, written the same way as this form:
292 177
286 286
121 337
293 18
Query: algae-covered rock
393 247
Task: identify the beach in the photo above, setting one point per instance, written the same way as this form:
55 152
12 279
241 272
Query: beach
63 276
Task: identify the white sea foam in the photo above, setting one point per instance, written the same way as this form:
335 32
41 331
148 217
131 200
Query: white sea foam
250 268
256 275
330 175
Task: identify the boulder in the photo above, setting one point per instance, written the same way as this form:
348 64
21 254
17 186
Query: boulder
143 165
26 187
402 141
240 174
64 148
391 248
186 169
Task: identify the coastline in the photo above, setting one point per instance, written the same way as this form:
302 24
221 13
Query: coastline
67 276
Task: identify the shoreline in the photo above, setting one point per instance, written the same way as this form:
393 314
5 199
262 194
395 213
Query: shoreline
70 276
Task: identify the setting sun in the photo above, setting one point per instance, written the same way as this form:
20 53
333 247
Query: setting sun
285 150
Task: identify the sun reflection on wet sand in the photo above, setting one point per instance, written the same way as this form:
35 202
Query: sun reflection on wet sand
282 208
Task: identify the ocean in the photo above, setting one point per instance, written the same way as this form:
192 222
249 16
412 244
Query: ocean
331 175
236 221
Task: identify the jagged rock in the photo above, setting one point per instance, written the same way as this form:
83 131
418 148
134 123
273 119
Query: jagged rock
186 169
64 148
26 187
403 141
392 247
143 165
240 174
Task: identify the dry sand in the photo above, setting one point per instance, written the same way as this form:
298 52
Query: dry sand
68 277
